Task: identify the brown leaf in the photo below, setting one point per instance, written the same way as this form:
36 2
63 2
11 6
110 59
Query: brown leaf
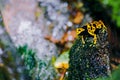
68 36
78 18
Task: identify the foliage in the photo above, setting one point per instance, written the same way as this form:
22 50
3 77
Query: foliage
62 60
115 9
28 56
1 20
62 65
38 69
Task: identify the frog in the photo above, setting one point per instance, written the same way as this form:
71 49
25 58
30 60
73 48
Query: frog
90 29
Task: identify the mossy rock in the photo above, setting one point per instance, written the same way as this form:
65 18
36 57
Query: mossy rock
89 61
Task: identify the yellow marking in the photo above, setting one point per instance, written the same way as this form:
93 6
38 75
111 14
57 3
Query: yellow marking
79 30
91 29
83 41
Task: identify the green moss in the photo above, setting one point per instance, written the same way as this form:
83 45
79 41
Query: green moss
89 61
114 76
37 68
4 73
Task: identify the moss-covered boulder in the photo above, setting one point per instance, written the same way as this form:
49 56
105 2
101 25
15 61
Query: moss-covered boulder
89 61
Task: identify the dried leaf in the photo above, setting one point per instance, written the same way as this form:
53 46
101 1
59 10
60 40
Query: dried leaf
78 18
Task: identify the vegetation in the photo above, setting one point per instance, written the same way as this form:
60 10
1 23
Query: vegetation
115 9
36 68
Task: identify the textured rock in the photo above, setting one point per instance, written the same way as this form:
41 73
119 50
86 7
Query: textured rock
90 61
10 63
20 22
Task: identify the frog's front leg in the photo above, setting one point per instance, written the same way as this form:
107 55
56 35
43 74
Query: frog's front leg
83 41
95 39
94 35
79 31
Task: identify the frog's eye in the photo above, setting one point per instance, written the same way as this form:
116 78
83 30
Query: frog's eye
94 25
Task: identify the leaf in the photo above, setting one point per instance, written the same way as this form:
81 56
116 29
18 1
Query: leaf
78 18
62 61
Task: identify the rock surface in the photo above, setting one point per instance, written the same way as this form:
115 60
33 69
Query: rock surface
23 28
